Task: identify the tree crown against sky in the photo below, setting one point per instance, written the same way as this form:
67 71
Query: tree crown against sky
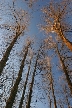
55 17
37 80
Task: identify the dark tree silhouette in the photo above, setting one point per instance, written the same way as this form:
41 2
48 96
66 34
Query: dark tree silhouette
19 27
22 98
10 101
65 71
31 86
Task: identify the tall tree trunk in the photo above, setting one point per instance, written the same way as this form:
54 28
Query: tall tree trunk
22 98
50 103
31 86
11 99
49 99
67 102
66 96
65 72
66 41
6 55
55 106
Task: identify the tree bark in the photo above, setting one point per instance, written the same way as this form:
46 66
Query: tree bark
31 86
66 41
22 98
11 99
50 103
65 72
6 55
55 106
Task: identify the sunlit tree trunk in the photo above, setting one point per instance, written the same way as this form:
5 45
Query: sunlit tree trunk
31 86
11 99
54 17
6 55
65 71
66 41
22 98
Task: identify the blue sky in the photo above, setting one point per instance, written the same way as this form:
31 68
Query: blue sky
14 57
38 36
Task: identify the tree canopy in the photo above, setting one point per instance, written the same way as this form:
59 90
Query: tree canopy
36 54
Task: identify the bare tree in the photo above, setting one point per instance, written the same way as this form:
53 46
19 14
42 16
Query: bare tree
66 96
48 77
10 101
21 20
55 104
30 2
54 15
45 66
65 71
51 44
32 82
22 98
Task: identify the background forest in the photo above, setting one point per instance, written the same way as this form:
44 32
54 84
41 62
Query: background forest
35 53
